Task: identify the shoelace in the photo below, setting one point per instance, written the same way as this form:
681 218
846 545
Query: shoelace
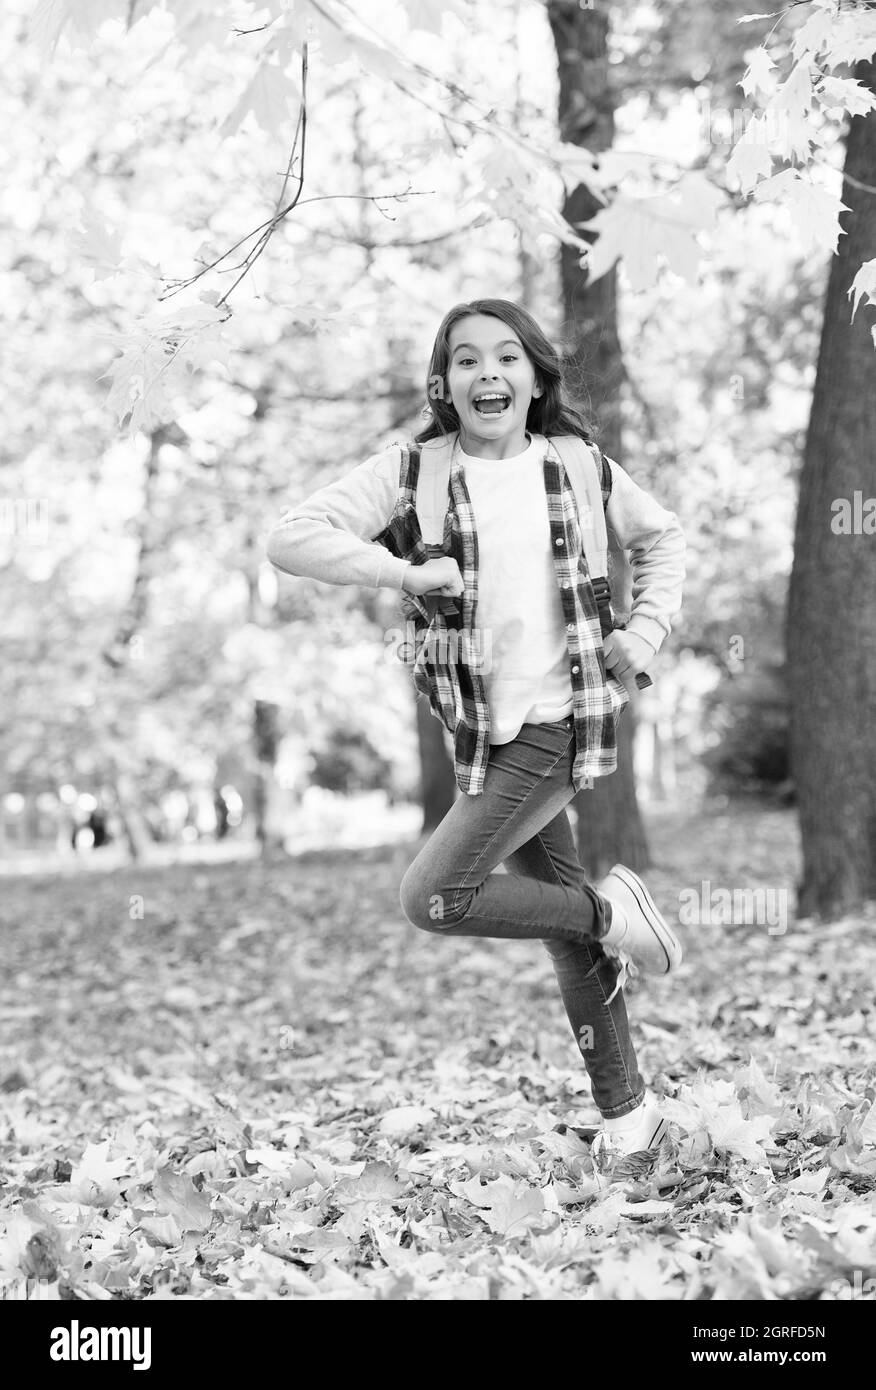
612 1164
628 968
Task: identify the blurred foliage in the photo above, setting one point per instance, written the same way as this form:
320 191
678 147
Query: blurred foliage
164 539
753 753
348 762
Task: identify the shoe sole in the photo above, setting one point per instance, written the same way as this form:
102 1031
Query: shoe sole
667 940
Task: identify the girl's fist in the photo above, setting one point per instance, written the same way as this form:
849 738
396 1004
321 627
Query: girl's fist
440 576
626 655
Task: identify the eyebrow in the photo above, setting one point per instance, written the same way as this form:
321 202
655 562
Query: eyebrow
474 349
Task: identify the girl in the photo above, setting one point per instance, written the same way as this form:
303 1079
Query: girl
537 719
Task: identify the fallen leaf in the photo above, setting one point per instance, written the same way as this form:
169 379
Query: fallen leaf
404 1119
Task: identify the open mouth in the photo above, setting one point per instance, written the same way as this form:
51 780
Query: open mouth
493 403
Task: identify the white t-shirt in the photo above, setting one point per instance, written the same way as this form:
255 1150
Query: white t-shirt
519 605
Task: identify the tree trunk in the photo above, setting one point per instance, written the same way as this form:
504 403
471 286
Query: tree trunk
266 731
438 781
134 826
437 778
832 597
609 822
528 263
149 555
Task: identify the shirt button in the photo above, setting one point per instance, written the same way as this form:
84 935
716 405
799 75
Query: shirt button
567 583
575 670
570 628
559 541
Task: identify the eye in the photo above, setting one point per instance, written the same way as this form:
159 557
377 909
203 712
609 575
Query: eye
461 361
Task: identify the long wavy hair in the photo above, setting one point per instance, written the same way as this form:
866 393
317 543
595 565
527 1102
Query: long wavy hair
548 414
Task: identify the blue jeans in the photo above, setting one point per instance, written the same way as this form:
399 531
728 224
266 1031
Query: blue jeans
519 820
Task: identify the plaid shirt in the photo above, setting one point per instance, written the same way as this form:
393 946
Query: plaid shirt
448 651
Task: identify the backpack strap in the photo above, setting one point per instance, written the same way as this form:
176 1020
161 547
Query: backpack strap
590 476
433 488
587 470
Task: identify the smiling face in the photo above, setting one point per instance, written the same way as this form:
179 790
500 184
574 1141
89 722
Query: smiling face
488 361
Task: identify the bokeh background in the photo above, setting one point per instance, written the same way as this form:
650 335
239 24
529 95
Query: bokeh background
172 383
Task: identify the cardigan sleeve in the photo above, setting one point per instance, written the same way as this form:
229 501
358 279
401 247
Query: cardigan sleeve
330 534
656 544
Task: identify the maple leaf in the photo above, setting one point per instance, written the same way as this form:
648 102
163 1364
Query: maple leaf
272 95
155 359
163 1230
795 93
750 159
46 24
787 114
856 1233
813 1181
645 1275
780 1255
812 36
733 1134
405 1118
93 1179
575 165
340 44
867 1127
506 1206
567 1195
275 1160
603 1216
852 36
757 74
812 210
714 1106
567 1146
863 283
17 1232
176 1195
640 230
739 1268
377 1182
300 1175
763 1096
426 15
847 94
793 136
649 1206
97 245
197 31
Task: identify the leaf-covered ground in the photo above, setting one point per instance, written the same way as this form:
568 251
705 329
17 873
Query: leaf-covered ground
258 1081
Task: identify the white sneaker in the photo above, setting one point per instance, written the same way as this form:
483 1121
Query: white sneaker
637 929
628 1154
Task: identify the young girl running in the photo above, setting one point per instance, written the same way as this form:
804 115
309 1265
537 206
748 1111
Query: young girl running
534 712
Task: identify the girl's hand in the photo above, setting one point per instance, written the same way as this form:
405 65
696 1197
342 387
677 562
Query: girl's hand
626 655
434 577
